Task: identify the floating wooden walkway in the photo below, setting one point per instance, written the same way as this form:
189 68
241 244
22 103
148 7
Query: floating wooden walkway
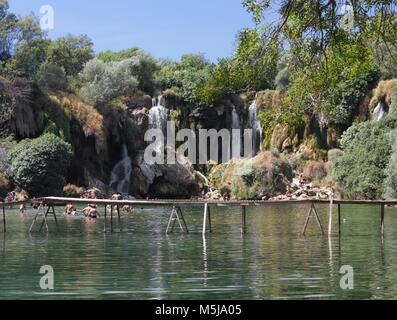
47 207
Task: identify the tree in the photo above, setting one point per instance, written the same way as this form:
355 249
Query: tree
143 66
8 31
329 44
71 53
186 75
29 57
103 82
40 166
52 77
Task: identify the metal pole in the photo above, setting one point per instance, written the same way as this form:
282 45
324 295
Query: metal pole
243 220
382 220
205 219
55 217
106 213
307 220
119 217
35 217
4 219
331 207
209 219
45 220
168 231
318 219
339 219
111 218
183 219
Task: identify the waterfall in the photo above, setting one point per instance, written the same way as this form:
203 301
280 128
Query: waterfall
236 146
255 125
236 122
379 112
158 116
121 175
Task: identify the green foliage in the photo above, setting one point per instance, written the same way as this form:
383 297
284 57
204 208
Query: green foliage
103 82
39 166
111 56
391 170
185 75
52 77
71 53
8 31
29 57
143 66
367 148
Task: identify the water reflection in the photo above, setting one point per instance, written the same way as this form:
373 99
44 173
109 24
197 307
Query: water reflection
271 261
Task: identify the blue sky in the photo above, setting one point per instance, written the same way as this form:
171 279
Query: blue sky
165 28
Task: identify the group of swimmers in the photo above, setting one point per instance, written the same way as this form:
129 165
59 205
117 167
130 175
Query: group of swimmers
91 211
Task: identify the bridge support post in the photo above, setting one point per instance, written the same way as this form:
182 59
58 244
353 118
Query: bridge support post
382 220
176 215
119 217
106 214
243 220
207 219
339 219
41 212
4 219
312 211
330 216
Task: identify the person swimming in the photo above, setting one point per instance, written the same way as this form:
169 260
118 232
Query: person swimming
70 210
91 211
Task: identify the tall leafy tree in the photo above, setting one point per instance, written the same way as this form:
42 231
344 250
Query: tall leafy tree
71 52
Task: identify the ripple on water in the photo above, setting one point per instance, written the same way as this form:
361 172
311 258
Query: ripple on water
272 261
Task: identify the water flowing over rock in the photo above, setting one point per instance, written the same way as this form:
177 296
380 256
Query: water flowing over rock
121 175
158 116
255 125
379 112
166 181
236 139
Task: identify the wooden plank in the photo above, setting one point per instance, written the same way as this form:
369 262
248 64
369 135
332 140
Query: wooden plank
56 200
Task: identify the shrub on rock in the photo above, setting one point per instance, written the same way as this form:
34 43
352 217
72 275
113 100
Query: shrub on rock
266 175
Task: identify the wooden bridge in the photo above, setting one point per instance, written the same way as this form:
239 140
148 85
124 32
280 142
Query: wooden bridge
47 207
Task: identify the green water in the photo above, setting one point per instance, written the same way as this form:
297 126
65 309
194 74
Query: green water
272 261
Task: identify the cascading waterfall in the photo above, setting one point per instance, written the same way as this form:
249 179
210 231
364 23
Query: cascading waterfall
255 125
236 139
121 175
379 112
158 116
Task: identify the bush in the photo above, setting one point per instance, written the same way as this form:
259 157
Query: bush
391 170
265 175
5 186
52 77
103 82
39 166
360 171
315 170
73 191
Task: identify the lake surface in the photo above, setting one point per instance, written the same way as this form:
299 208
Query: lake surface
272 261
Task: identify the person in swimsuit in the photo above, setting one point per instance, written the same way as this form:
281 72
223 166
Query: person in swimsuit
91 211
70 210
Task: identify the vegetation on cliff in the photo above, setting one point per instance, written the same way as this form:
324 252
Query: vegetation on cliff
312 75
